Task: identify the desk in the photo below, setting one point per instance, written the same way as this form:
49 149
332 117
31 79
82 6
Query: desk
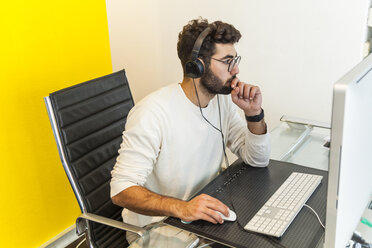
291 142
300 144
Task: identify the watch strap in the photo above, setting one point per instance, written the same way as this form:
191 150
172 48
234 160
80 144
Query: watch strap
256 118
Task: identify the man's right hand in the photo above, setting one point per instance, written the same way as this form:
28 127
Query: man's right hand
143 201
203 207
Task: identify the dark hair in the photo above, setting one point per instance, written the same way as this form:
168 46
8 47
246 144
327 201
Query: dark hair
221 33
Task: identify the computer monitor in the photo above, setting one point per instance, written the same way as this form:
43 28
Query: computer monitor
350 164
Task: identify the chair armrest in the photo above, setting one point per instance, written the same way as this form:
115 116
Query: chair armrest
80 227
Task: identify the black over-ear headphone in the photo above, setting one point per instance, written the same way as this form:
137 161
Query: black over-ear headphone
194 68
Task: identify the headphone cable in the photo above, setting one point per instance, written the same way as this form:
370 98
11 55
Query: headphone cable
219 130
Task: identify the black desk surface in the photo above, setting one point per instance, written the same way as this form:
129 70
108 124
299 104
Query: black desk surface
245 189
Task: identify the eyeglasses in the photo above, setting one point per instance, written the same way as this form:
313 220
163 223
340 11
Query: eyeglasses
231 62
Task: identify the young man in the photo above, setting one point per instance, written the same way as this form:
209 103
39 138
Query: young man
172 146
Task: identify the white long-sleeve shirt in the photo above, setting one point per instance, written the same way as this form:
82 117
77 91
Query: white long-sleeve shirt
171 150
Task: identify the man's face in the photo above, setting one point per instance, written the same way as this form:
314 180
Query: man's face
217 79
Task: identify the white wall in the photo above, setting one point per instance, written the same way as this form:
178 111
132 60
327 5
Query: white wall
293 49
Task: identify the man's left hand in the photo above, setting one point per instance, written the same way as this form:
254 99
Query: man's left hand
247 97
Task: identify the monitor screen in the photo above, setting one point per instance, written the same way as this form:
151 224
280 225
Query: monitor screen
350 164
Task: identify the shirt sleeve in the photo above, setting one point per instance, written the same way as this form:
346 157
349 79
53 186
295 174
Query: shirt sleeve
251 148
138 151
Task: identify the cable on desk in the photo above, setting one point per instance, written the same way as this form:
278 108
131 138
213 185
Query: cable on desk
315 215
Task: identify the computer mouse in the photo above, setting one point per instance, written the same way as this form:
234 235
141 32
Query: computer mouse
231 217
186 222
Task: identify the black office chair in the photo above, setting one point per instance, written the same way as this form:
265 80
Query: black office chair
88 120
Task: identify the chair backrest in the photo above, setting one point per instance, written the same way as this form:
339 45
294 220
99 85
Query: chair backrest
88 120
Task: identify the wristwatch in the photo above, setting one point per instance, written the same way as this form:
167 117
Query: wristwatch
256 118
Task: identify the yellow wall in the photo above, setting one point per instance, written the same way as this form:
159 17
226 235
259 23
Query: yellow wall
44 46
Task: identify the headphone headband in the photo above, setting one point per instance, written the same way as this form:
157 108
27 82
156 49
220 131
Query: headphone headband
199 42
194 68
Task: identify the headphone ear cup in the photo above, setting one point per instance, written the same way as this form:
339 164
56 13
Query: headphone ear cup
194 69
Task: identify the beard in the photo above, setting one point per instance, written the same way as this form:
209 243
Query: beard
214 85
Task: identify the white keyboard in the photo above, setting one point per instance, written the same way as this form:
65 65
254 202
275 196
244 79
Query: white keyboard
278 212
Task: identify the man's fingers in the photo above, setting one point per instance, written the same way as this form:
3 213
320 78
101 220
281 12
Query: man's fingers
216 205
252 93
255 92
209 218
214 215
234 83
213 204
235 91
241 86
247 90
